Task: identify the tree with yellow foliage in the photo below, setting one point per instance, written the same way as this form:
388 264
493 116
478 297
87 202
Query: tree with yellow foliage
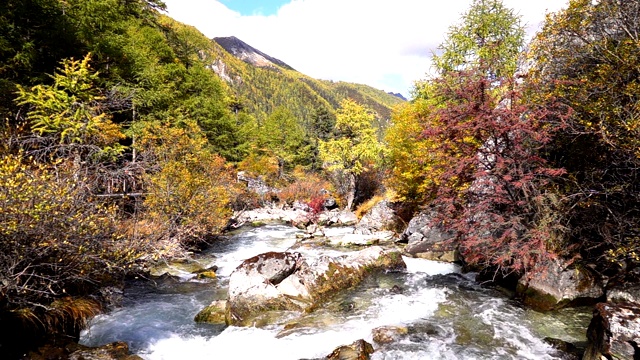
355 149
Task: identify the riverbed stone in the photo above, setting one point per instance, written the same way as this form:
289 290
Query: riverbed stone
287 281
614 332
213 314
114 351
388 334
374 238
272 215
358 350
555 285
567 350
179 267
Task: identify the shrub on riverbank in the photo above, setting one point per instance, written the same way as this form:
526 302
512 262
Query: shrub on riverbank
55 245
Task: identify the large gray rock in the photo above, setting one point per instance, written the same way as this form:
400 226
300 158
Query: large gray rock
424 240
555 285
256 185
287 281
295 216
338 218
380 217
614 332
625 288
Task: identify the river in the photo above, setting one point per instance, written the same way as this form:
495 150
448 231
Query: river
448 315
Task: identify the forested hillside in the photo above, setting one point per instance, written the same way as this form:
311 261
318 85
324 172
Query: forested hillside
124 133
262 84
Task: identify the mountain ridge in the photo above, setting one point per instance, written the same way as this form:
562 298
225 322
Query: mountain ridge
261 83
248 53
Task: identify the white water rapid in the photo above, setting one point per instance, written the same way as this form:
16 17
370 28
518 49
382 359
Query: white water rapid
448 315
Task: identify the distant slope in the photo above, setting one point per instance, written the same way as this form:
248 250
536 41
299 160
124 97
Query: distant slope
262 83
249 54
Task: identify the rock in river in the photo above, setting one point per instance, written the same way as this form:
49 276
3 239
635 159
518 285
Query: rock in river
288 281
614 332
554 285
359 350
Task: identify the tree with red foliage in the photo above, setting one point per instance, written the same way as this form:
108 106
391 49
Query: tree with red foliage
491 186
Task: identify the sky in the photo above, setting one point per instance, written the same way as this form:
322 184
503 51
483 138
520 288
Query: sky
386 44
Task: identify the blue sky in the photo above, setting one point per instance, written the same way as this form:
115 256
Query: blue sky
255 7
386 44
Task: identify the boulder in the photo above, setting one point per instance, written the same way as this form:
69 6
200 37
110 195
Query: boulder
625 288
338 218
388 334
256 185
358 350
614 332
261 216
428 242
380 217
287 281
375 238
213 314
555 285
567 350
179 268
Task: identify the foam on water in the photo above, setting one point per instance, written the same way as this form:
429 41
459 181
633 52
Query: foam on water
252 243
158 324
263 343
430 267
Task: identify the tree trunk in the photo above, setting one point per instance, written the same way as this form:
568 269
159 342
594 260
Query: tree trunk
351 190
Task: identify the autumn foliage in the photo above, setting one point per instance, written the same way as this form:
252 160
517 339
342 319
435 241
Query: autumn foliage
491 186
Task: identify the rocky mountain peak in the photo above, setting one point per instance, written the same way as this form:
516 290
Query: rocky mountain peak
249 54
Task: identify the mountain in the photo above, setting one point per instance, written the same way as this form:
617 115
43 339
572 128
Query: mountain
249 54
398 95
262 83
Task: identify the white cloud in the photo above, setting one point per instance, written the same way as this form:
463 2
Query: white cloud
383 43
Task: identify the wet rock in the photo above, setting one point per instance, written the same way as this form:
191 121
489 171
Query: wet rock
614 332
286 281
110 297
208 273
176 268
423 329
380 217
388 334
428 242
359 350
213 314
114 351
554 286
568 350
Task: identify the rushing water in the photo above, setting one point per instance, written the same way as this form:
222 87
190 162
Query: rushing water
448 315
